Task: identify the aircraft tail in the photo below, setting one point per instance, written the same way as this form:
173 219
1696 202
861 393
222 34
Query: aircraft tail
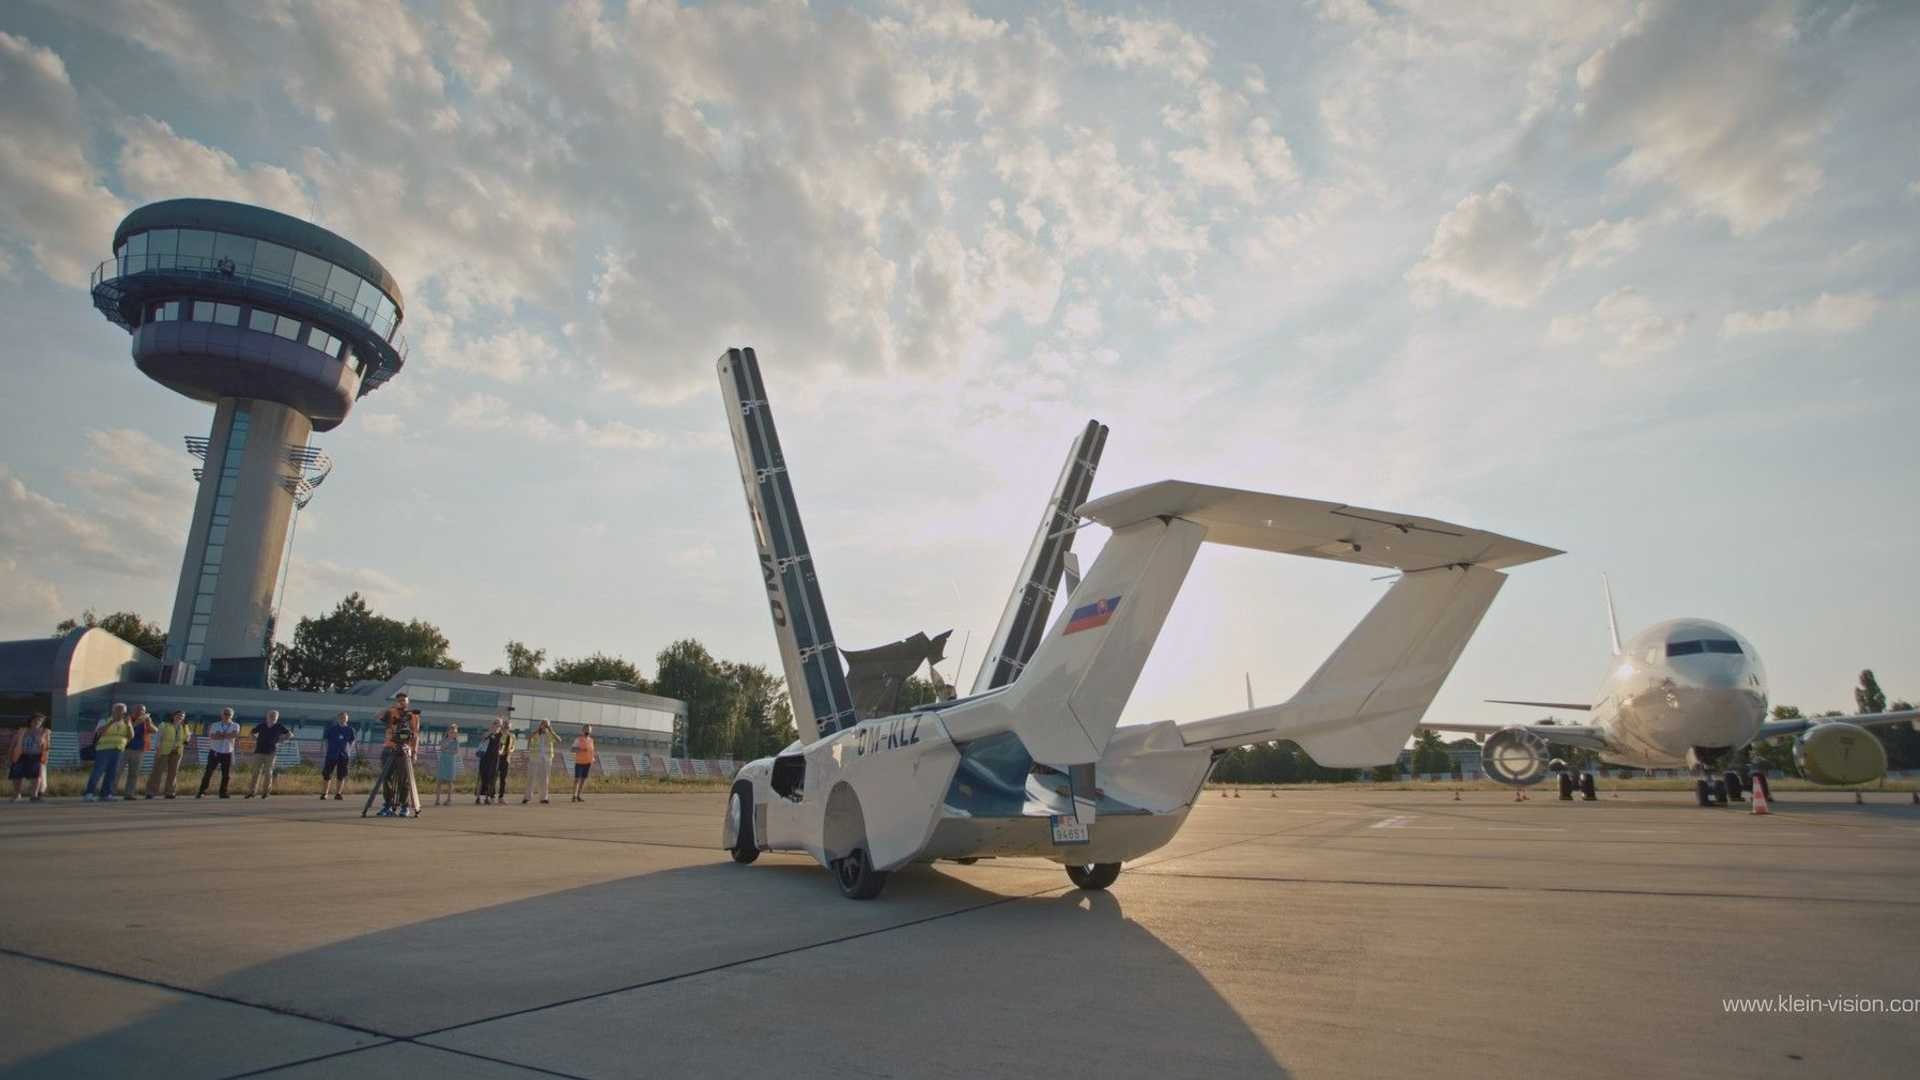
816 683
1364 702
1613 624
1069 696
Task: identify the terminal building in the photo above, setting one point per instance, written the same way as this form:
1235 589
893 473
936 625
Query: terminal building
74 679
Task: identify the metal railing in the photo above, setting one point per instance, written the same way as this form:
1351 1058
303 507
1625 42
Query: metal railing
271 281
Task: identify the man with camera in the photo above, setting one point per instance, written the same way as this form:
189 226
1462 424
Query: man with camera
398 794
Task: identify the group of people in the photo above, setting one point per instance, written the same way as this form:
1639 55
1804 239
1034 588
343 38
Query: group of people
122 739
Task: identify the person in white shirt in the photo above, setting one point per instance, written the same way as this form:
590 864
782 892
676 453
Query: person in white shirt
541 746
220 739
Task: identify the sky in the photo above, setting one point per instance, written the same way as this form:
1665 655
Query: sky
1634 280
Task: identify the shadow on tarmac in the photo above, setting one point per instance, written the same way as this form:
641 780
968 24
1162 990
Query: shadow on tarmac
703 970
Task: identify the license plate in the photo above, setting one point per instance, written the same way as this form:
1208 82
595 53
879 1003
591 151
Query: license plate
1068 830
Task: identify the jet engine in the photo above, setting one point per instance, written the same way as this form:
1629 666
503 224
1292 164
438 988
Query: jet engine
1515 756
1839 754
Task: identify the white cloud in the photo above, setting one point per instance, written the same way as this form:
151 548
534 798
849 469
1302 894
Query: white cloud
1713 100
488 412
1488 246
29 605
1828 313
157 163
52 198
1603 241
45 530
1627 326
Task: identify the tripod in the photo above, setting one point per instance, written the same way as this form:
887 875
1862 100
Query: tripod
401 761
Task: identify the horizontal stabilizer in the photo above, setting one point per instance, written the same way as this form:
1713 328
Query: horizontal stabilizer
1323 530
1365 701
1572 705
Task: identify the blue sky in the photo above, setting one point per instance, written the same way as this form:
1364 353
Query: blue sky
1634 280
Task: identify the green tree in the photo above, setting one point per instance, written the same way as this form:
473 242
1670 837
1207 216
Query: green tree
1868 698
352 644
763 717
523 661
597 668
125 625
686 670
1430 753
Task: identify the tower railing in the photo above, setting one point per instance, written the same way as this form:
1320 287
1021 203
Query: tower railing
108 292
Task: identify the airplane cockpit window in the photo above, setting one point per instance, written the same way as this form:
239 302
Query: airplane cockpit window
1722 645
1685 648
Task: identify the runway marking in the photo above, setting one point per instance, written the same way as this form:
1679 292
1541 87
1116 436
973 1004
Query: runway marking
1682 894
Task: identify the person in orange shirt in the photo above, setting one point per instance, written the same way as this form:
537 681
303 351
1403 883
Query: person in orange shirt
400 794
582 760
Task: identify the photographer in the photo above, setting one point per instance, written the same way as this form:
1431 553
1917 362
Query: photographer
398 793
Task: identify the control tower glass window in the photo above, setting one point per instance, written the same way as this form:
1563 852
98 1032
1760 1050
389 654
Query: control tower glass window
260 260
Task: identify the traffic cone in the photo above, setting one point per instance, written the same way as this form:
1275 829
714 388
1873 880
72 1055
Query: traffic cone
1519 796
1236 793
1759 799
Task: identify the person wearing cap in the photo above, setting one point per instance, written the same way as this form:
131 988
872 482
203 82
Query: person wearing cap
220 739
167 755
109 739
402 725
144 729
267 736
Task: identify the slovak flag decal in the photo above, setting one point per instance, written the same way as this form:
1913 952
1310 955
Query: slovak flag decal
1092 615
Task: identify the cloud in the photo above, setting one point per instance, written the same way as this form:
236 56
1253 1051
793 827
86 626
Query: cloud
1600 243
1717 101
156 163
53 201
29 605
1489 247
1828 313
488 412
45 530
1627 325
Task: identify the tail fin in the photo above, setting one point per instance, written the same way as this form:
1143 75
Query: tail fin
816 684
1069 697
1613 624
1364 702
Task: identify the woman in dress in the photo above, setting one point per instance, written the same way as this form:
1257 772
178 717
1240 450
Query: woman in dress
489 761
448 770
29 754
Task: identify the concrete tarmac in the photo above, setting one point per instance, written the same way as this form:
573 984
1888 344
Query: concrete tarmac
1328 933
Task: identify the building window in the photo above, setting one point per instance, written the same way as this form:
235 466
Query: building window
325 342
226 314
163 311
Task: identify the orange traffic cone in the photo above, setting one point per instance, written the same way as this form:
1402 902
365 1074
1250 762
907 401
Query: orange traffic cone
1759 799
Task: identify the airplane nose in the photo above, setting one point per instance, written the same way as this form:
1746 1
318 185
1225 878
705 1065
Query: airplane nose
1712 672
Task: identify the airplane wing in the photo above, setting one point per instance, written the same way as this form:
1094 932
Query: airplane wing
1583 735
1365 700
1775 728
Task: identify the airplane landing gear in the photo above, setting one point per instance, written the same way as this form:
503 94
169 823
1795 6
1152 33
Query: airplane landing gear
1094 875
1586 787
1566 787
1733 786
1702 792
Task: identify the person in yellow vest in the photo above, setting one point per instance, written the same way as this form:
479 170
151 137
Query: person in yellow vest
174 736
109 739
541 746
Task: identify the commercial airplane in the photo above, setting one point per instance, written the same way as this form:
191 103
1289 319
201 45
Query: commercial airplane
1037 766
1685 693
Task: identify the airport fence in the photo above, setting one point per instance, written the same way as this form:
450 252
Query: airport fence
63 751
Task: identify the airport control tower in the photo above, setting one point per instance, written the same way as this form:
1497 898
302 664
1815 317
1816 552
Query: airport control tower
280 325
